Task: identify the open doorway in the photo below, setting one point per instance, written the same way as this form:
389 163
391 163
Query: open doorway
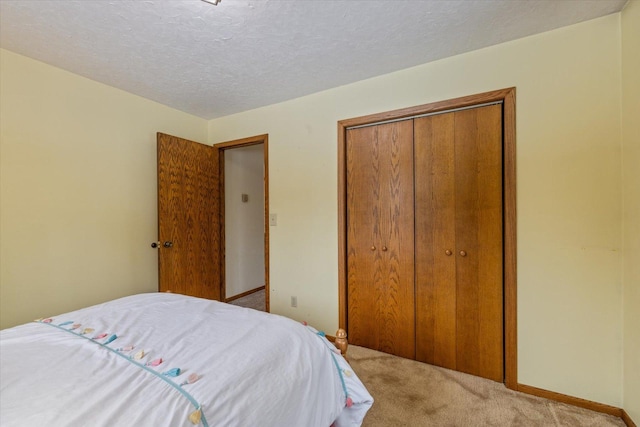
244 229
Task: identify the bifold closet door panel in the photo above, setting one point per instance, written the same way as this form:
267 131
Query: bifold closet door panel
479 237
397 304
459 264
435 240
364 267
380 238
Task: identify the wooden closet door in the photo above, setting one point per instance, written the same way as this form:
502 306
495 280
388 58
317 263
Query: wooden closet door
459 246
435 240
380 238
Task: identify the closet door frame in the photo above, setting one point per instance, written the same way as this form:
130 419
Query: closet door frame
507 97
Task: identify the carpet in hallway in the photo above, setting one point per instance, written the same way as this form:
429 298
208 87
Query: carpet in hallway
255 300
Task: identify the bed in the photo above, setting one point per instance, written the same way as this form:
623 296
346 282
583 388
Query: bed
163 359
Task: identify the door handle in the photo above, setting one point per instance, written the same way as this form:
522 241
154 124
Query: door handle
155 245
167 244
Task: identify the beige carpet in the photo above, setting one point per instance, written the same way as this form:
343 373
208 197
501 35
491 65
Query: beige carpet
410 393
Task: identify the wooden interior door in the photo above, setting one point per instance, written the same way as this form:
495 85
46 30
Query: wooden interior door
188 217
380 274
459 243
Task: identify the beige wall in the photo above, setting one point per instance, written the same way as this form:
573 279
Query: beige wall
569 193
631 203
244 221
77 189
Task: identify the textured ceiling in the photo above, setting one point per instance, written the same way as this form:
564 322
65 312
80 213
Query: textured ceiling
213 61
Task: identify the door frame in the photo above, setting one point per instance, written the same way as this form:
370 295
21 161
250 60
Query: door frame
222 147
507 97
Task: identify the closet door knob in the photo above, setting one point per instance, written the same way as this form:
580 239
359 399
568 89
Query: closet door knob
167 244
384 248
448 252
154 245
463 253
373 248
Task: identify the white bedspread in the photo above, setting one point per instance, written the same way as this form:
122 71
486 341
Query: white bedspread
254 368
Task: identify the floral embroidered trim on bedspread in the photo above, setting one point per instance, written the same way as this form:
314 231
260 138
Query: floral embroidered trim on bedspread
196 417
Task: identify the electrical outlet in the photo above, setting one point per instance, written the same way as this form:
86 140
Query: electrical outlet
273 219
294 301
